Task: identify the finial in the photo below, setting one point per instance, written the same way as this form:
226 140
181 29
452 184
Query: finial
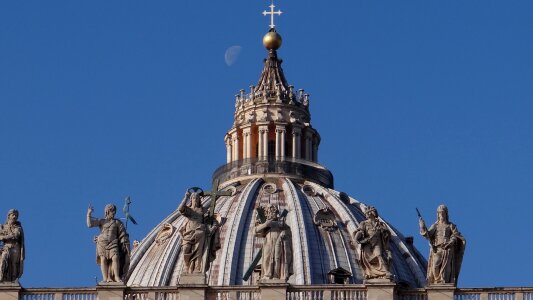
272 13
272 40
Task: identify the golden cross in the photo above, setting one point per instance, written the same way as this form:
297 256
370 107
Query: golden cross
272 13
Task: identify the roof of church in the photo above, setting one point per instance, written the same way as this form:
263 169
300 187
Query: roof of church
320 247
321 220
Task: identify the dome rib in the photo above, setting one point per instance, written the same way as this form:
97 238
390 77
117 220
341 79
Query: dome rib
348 224
302 268
230 254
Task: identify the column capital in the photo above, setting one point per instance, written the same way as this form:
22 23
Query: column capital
296 130
246 130
263 128
281 128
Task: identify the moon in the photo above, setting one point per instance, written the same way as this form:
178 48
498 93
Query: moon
232 54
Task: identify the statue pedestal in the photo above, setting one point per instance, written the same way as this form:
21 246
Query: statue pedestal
192 286
440 291
275 289
380 289
110 290
195 278
9 290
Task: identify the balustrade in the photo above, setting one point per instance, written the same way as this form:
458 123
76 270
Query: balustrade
294 292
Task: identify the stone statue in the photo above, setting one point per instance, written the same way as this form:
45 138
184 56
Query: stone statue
276 260
447 249
373 237
196 233
112 245
12 251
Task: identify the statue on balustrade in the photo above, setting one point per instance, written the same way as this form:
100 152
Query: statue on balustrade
447 249
200 233
373 237
12 250
276 260
112 245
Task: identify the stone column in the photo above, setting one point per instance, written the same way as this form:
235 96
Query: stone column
260 143
229 151
280 142
247 149
440 292
296 147
235 140
308 144
315 148
265 143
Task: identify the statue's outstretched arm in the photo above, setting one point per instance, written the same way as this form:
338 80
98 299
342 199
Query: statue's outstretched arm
91 222
183 205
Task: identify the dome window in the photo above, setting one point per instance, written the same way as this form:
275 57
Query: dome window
339 276
325 219
270 188
309 190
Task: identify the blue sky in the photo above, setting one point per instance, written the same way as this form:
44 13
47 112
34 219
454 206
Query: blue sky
418 103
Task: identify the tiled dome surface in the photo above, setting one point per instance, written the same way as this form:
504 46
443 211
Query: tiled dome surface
316 251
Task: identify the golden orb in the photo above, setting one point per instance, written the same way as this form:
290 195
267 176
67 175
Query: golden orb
272 40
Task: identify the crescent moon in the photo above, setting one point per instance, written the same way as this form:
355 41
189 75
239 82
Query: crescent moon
232 54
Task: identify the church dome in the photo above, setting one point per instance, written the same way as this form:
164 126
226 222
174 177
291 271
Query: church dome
321 219
272 159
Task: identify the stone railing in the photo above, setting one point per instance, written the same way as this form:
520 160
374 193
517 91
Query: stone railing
234 292
58 294
326 292
494 294
442 292
287 166
266 292
412 294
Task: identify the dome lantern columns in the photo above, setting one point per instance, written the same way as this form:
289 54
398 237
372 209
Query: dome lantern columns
267 140
280 141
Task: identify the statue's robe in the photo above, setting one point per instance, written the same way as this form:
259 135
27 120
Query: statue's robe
444 264
198 234
113 240
374 246
12 253
276 260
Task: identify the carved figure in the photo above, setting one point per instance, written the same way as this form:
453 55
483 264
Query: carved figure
196 233
373 237
164 234
447 249
12 252
276 262
112 245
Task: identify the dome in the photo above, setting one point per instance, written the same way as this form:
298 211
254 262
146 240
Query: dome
322 221
272 159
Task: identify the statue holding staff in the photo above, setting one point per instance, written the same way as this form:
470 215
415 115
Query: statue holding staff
447 247
112 245
276 262
200 233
